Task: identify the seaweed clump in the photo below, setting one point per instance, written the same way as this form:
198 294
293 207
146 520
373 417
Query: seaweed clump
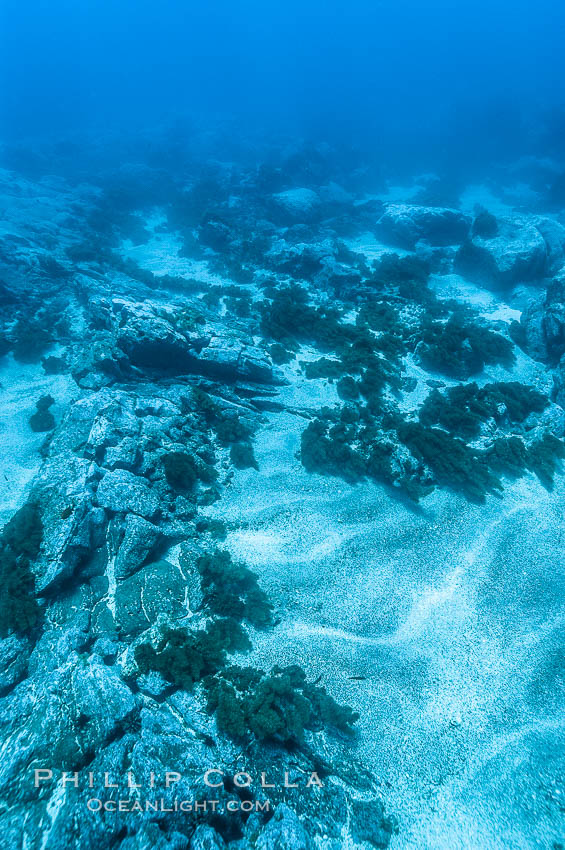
376 442
323 368
347 388
461 410
43 419
242 456
485 224
453 463
54 365
184 657
30 339
459 349
5 345
407 275
230 429
477 264
20 542
183 471
279 706
355 445
544 458
232 590
289 320
326 448
508 456
279 355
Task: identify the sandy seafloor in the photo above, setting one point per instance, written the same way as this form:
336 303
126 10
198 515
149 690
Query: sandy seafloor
21 385
452 614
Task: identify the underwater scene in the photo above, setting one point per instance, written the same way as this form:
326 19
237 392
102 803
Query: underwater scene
282 425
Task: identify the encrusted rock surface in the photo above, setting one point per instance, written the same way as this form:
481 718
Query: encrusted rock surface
543 323
405 225
517 253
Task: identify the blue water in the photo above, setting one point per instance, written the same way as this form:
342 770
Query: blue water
418 83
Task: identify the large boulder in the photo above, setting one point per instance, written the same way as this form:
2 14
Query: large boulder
121 491
156 589
517 253
71 525
226 359
150 341
333 193
299 204
70 711
554 237
14 654
543 324
300 258
532 331
100 699
284 832
406 224
100 364
206 838
112 422
152 837
139 538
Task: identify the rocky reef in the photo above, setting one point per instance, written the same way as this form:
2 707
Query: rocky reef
159 322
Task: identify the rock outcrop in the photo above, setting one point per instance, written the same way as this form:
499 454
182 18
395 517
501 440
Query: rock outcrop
542 325
405 225
299 204
518 253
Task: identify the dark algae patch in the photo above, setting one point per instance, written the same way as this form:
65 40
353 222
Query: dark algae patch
462 410
20 542
460 350
43 419
278 706
465 437
232 589
452 462
375 441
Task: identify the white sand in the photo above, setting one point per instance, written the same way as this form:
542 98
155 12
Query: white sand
372 248
21 385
